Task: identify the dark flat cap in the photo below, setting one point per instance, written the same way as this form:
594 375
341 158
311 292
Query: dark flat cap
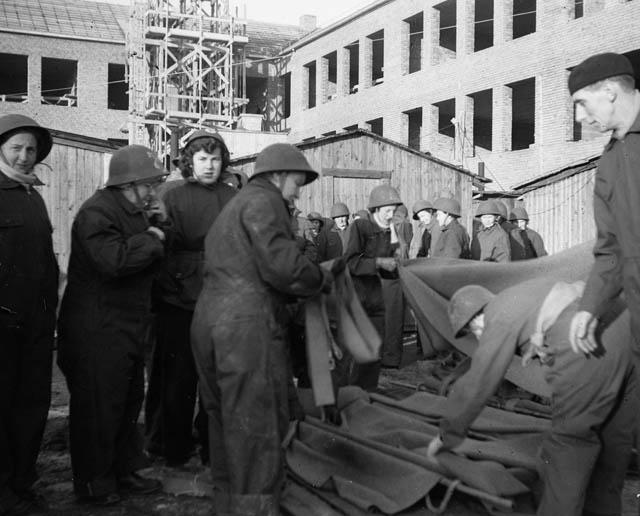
597 68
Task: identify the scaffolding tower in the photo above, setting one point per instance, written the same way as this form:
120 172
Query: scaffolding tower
186 70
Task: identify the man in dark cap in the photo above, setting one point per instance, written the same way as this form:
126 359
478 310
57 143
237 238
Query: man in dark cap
603 91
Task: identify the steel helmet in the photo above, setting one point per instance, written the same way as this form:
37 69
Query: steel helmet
362 214
465 304
134 164
419 206
339 209
314 215
13 122
519 213
383 195
502 210
283 157
489 207
203 133
448 205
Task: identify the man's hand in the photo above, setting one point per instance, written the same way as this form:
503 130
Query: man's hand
582 332
388 264
157 232
156 211
434 448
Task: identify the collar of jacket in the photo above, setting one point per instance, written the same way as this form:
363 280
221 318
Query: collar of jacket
494 225
192 180
635 128
6 182
125 204
263 182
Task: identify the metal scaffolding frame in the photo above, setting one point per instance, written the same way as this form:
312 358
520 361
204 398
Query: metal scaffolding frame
186 70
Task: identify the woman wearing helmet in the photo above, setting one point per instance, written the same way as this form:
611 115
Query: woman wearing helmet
453 241
192 208
28 301
104 321
490 243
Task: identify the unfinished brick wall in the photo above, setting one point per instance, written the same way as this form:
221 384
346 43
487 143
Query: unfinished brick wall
560 42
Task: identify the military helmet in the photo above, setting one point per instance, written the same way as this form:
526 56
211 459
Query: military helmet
13 122
447 205
203 133
519 213
339 209
419 206
465 304
383 195
502 209
489 207
314 215
134 164
283 157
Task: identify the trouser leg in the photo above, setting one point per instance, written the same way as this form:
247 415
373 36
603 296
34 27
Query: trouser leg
366 375
393 322
172 386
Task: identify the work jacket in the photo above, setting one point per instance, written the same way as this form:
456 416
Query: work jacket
28 267
617 214
491 245
192 208
368 241
530 244
331 243
453 241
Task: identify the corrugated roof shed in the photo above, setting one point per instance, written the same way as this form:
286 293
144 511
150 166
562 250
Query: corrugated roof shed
60 17
101 20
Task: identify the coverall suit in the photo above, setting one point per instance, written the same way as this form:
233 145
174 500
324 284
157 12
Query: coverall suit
452 242
28 301
192 208
368 241
104 321
331 243
529 244
491 245
584 456
253 268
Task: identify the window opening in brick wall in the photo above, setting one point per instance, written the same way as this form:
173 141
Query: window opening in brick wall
577 127
59 82
375 126
416 28
483 26
523 114
447 27
311 81
524 17
578 8
483 118
258 94
377 57
446 111
118 90
286 101
13 77
354 66
331 86
414 127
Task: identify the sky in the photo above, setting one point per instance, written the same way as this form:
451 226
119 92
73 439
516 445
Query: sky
289 11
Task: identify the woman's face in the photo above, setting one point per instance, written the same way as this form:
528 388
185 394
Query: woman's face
207 167
20 151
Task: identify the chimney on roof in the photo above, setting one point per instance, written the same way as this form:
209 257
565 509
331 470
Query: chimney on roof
308 22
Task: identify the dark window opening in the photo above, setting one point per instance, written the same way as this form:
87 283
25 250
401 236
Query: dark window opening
483 118
577 127
447 24
311 79
523 114
375 126
377 57
332 75
524 17
483 27
118 90
59 82
414 123
446 112
13 78
578 9
416 35
286 104
258 95
354 66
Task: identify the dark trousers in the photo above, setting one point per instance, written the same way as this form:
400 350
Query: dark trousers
173 380
25 394
105 377
366 375
594 399
242 365
393 322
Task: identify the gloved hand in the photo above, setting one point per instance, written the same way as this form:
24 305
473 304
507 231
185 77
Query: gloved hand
327 281
388 264
434 448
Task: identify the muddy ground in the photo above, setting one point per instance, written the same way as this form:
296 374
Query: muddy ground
186 489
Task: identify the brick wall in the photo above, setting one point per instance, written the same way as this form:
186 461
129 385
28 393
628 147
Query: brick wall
560 42
90 117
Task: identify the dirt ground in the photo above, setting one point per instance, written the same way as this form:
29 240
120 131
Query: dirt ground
186 489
